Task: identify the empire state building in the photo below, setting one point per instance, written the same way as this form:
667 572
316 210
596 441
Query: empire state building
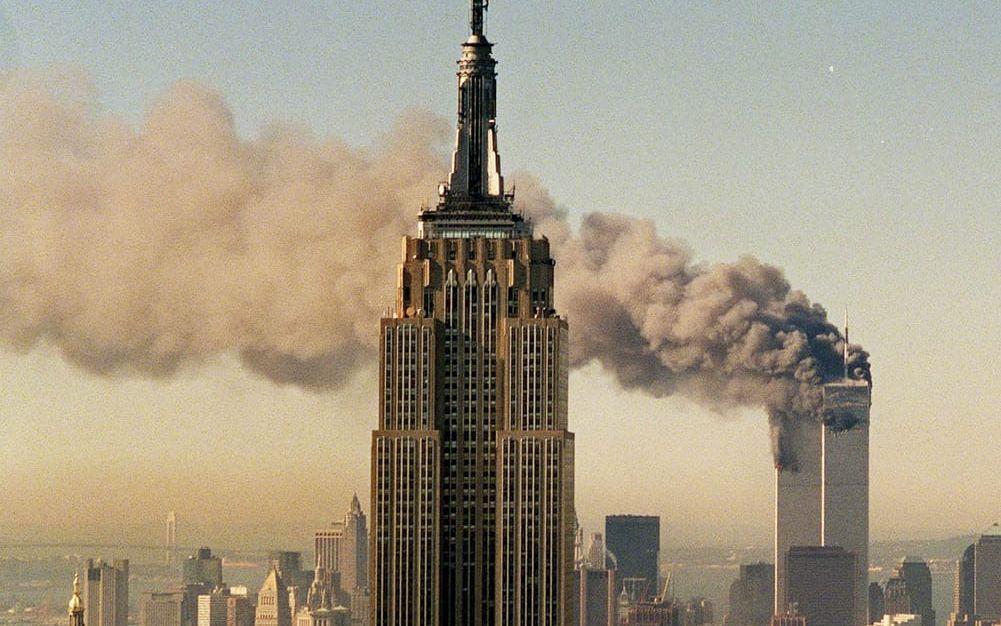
472 462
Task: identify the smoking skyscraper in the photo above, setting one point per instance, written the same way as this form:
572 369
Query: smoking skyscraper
824 499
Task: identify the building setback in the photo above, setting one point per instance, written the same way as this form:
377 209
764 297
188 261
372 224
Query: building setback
472 461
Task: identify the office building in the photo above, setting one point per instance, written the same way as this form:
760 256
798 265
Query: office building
823 499
877 602
909 591
820 583
342 549
239 610
163 609
634 540
751 602
593 599
213 608
987 575
106 592
202 569
472 461
962 594
273 602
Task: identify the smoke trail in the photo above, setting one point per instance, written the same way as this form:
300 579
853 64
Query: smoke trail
140 251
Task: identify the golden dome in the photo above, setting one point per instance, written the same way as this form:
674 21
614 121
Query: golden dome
76 604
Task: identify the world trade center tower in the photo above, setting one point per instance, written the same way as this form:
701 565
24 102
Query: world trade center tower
472 462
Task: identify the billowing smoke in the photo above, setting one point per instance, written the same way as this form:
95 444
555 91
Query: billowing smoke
145 250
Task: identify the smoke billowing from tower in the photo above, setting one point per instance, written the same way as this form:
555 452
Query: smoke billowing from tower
138 251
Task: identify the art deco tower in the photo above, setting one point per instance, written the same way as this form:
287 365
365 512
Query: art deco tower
472 463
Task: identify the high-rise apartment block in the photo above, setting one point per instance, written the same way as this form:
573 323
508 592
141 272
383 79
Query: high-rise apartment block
824 499
472 461
820 584
106 592
751 595
634 540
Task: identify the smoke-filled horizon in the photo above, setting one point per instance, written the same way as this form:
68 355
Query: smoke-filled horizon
143 251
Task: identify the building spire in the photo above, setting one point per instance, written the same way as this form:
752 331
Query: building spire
845 350
477 9
476 174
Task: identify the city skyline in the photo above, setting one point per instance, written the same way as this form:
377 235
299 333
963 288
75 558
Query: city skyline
34 377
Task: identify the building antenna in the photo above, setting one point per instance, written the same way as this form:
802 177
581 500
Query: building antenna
845 351
477 7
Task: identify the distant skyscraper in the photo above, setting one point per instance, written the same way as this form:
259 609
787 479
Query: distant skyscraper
272 602
212 608
343 548
239 611
634 540
106 592
171 537
962 595
877 602
472 462
697 612
751 595
910 591
594 592
820 583
824 499
76 604
845 504
987 575
203 569
165 609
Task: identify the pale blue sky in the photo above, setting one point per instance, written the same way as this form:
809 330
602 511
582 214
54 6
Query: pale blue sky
854 144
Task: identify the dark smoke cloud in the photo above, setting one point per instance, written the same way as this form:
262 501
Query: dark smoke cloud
138 251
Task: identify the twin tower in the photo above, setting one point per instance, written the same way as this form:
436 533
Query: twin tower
472 462
825 503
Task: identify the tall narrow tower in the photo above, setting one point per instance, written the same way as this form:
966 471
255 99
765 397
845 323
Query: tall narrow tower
472 462
171 537
824 499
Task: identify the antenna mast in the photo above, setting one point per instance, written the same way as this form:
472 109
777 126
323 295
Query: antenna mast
845 354
477 7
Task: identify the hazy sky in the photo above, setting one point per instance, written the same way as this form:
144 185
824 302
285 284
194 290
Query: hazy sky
856 145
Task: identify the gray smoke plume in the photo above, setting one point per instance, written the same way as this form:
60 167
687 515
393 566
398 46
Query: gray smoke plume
138 251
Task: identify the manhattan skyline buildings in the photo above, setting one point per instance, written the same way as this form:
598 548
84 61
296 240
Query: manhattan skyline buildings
723 428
